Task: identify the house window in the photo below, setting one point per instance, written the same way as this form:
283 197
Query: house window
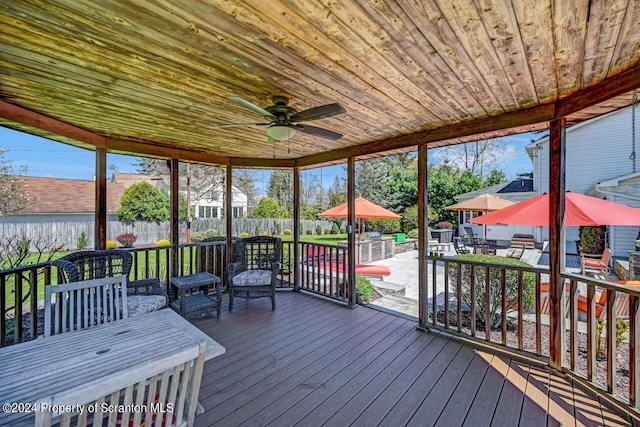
207 212
238 212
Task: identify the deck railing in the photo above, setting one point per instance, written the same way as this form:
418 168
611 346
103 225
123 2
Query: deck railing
323 270
25 284
514 301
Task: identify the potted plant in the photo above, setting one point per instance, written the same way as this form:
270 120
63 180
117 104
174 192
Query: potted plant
444 231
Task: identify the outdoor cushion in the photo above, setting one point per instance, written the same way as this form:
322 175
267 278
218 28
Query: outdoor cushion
141 304
594 263
544 287
373 270
253 278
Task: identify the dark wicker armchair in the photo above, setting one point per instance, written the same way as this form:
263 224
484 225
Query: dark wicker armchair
87 265
254 273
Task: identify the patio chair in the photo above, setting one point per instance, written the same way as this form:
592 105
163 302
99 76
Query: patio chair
431 242
254 273
596 263
145 295
83 304
167 381
470 238
515 251
459 246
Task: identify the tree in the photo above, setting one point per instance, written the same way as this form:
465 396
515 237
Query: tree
143 202
281 190
13 193
267 208
476 156
372 180
244 181
496 177
337 193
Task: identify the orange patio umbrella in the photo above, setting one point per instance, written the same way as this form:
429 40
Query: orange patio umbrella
483 203
364 209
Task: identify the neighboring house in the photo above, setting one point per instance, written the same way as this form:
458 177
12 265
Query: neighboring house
207 200
514 191
64 200
598 164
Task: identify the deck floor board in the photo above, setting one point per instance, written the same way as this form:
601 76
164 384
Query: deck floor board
313 362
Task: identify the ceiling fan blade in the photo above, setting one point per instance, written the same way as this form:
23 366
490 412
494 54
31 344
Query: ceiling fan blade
316 131
236 125
316 113
253 107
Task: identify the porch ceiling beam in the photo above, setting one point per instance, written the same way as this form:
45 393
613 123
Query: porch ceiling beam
31 118
153 150
262 163
527 117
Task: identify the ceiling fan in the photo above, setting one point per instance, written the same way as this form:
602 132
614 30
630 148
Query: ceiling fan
284 120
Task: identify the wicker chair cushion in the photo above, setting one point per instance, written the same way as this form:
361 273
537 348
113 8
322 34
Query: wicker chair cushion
253 278
141 304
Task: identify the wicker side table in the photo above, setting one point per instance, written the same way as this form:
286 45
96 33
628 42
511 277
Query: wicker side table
198 304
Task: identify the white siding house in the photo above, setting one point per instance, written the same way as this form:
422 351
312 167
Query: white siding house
597 164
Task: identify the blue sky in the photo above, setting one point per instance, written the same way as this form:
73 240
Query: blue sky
44 157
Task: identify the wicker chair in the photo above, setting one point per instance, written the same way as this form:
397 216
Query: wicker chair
254 273
88 265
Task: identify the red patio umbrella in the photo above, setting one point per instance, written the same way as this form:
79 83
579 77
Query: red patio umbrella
580 210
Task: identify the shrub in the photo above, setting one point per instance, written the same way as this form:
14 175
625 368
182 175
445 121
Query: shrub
318 229
83 240
343 230
266 233
364 289
495 295
287 232
256 231
413 234
127 239
327 231
244 235
58 248
444 225
278 228
334 228
309 232
592 239
111 244
203 236
163 242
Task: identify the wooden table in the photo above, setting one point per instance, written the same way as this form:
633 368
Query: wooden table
197 304
39 368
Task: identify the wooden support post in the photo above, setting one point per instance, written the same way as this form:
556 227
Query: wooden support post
351 229
228 210
557 164
100 223
296 229
423 275
174 233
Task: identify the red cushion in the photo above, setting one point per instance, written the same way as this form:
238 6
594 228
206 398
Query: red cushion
544 287
582 305
594 263
374 270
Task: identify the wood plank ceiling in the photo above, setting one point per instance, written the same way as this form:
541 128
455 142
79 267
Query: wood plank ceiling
152 76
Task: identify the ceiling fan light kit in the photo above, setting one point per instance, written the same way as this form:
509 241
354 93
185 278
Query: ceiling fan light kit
283 120
280 132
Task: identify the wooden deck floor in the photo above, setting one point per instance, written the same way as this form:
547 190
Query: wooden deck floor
312 363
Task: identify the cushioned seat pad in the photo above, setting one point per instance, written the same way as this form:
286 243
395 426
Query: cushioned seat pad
140 304
253 278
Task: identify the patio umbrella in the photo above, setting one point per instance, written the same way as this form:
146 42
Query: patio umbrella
580 210
364 209
483 203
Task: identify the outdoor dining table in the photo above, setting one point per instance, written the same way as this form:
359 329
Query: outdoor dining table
36 369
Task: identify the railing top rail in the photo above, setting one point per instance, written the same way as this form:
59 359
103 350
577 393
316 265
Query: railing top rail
528 269
603 284
27 267
326 245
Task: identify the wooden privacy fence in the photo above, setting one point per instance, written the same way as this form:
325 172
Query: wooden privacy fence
67 233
